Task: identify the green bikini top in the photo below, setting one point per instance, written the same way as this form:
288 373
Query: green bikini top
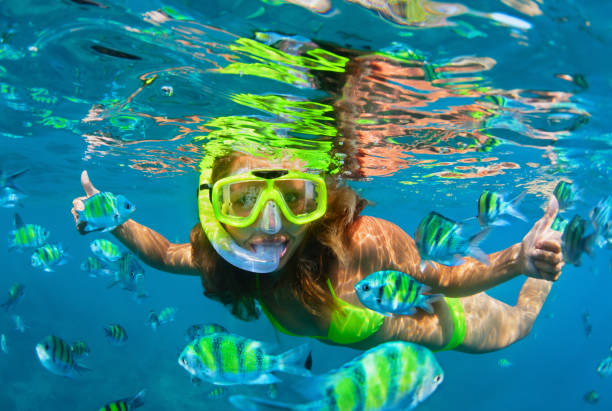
350 324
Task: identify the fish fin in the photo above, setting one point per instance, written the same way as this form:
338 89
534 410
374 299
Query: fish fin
600 241
17 221
423 265
48 269
468 219
9 179
511 210
292 361
112 284
196 381
86 228
265 379
243 402
80 369
473 250
499 223
589 242
517 200
137 400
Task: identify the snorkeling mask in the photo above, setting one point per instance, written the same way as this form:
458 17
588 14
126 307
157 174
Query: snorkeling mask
238 200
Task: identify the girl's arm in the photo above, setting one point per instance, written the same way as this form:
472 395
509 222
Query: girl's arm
151 247
382 245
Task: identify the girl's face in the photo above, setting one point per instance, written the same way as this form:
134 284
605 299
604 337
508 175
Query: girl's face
286 235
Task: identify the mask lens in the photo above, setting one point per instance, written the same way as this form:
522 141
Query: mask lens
238 198
299 195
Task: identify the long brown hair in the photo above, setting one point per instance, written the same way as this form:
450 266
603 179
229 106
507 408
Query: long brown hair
306 273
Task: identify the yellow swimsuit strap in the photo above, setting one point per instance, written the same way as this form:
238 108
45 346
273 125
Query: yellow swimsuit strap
350 324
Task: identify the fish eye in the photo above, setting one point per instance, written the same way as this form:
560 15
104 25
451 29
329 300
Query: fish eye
46 346
184 361
132 274
437 378
128 206
365 287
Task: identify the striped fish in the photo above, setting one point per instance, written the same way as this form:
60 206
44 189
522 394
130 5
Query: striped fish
395 293
491 205
129 273
393 375
96 267
559 224
79 349
601 218
126 404
106 250
574 241
26 235
115 334
48 256
15 295
566 194
200 330
103 212
439 239
229 359
10 194
167 315
55 355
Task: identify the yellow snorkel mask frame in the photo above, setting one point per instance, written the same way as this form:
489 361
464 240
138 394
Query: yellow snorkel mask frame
265 258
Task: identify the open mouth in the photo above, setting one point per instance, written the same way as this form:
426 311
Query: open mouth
278 241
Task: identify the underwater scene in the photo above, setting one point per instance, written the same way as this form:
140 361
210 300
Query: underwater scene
305 204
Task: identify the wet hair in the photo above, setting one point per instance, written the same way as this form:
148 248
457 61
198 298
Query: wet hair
305 275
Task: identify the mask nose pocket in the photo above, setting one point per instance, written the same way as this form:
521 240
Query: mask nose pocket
270 218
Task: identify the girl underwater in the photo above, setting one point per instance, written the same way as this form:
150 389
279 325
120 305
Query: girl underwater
272 232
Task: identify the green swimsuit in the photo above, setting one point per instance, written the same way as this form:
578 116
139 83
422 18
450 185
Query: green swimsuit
350 324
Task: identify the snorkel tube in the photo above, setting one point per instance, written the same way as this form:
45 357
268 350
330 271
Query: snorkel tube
265 258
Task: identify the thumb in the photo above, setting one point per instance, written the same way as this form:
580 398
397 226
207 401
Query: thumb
551 213
87 186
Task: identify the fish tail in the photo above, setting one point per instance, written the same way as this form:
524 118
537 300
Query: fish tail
512 207
137 400
80 369
589 242
293 361
427 300
474 251
10 180
243 402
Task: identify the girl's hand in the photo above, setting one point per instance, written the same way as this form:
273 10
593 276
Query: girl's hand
540 255
77 203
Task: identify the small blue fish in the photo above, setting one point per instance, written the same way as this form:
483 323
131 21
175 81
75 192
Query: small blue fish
591 397
115 334
10 195
96 267
130 274
4 344
49 256
80 349
395 293
103 212
566 194
229 359
26 235
600 216
439 239
153 320
395 375
55 355
19 324
15 295
504 363
491 205
574 241
605 367
200 330
167 315
106 250
126 404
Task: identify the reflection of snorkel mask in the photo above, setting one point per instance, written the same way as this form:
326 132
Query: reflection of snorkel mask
238 200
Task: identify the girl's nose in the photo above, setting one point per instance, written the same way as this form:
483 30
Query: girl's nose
270 222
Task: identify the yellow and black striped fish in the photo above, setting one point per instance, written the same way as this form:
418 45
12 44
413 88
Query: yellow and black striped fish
116 334
55 355
126 404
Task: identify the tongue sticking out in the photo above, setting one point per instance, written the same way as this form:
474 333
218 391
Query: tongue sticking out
269 251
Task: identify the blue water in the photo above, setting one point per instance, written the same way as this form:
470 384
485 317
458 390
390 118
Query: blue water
142 144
